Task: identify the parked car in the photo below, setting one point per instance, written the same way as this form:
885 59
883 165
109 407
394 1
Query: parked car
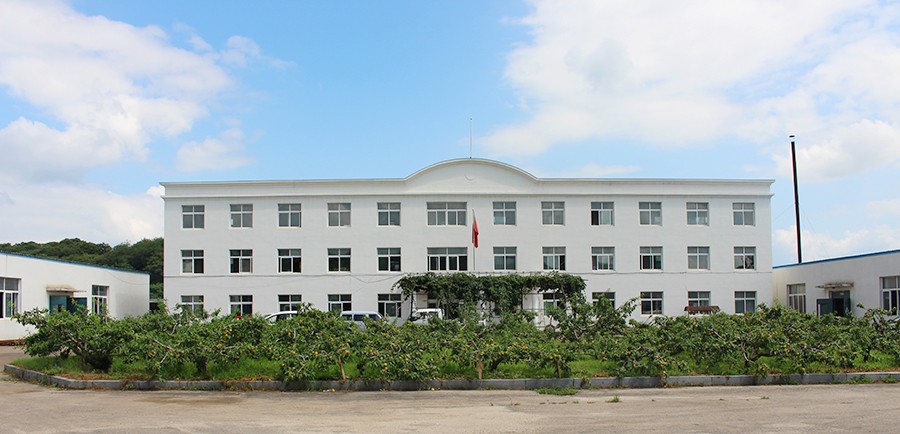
280 316
422 316
356 317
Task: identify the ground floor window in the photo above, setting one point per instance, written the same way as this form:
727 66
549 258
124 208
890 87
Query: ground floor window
552 299
796 296
698 298
192 304
100 299
448 259
389 305
890 293
9 296
241 305
289 302
651 303
608 295
339 302
744 301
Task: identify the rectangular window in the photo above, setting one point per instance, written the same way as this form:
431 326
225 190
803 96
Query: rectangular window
289 215
796 296
744 301
553 213
890 293
555 258
651 213
698 213
241 305
606 295
505 213
744 214
99 299
289 261
504 258
241 260
447 259
289 302
388 259
745 258
192 261
602 214
339 214
552 299
698 298
651 258
242 216
192 304
388 213
338 259
9 296
192 216
698 258
446 213
389 305
339 302
651 303
603 258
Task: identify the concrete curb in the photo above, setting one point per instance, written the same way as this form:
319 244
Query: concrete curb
493 384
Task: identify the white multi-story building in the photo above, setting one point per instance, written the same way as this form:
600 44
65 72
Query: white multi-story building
264 246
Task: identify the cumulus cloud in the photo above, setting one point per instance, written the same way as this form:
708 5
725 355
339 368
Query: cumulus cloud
818 245
219 153
591 170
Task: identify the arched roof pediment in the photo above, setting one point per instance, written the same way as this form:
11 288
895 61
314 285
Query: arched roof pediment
470 175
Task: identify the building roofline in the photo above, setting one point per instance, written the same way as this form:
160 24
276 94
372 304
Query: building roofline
63 261
842 258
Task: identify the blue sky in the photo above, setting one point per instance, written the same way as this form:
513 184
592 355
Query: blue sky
101 100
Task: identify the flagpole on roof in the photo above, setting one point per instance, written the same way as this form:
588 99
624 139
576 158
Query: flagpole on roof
470 142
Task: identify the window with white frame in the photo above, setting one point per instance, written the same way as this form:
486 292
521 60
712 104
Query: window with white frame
339 302
390 305
192 216
241 260
388 258
744 301
698 257
552 299
192 304
505 213
446 213
339 214
388 213
796 296
890 293
192 261
698 298
289 260
651 302
553 213
603 258
605 295
448 259
651 213
651 258
338 260
242 215
554 258
289 302
504 258
603 214
698 213
289 215
744 258
9 296
100 299
241 305
744 213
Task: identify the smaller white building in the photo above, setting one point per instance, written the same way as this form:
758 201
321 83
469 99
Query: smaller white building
838 285
28 282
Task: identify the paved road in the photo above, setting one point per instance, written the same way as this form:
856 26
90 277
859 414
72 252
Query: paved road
32 408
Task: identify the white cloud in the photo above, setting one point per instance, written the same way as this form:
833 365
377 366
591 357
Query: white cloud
224 152
823 246
884 208
591 170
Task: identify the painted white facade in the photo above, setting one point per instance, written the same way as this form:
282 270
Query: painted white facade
28 282
479 184
872 280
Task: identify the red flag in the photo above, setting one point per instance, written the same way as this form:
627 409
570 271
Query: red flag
474 231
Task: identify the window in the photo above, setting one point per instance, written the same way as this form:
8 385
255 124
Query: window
553 213
192 304
745 258
339 214
698 298
241 261
651 258
651 303
744 301
389 305
603 258
242 216
339 302
651 213
388 213
890 293
505 213
241 305
743 214
99 299
555 258
388 259
446 213
289 302
504 258
698 258
9 296
289 261
698 213
289 215
192 261
192 216
447 259
796 296
602 214
552 299
338 259
606 295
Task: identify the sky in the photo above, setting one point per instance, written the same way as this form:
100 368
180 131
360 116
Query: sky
101 100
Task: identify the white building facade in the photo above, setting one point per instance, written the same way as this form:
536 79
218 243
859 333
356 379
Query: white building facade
264 246
28 282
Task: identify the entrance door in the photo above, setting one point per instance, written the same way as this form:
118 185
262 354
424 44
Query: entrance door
841 303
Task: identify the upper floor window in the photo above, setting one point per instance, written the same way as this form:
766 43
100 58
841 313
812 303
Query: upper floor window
651 258
192 216
602 213
505 213
388 213
698 258
603 258
289 261
890 293
446 213
744 214
447 259
339 214
192 261
242 216
554 258
9 296
553 213
241 260
745 258
289 215
651 213
698 213
504 258
338 259
388 259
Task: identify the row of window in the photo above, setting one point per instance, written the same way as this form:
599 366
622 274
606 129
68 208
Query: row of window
454 214
9 297
456 259
890 294
652 301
